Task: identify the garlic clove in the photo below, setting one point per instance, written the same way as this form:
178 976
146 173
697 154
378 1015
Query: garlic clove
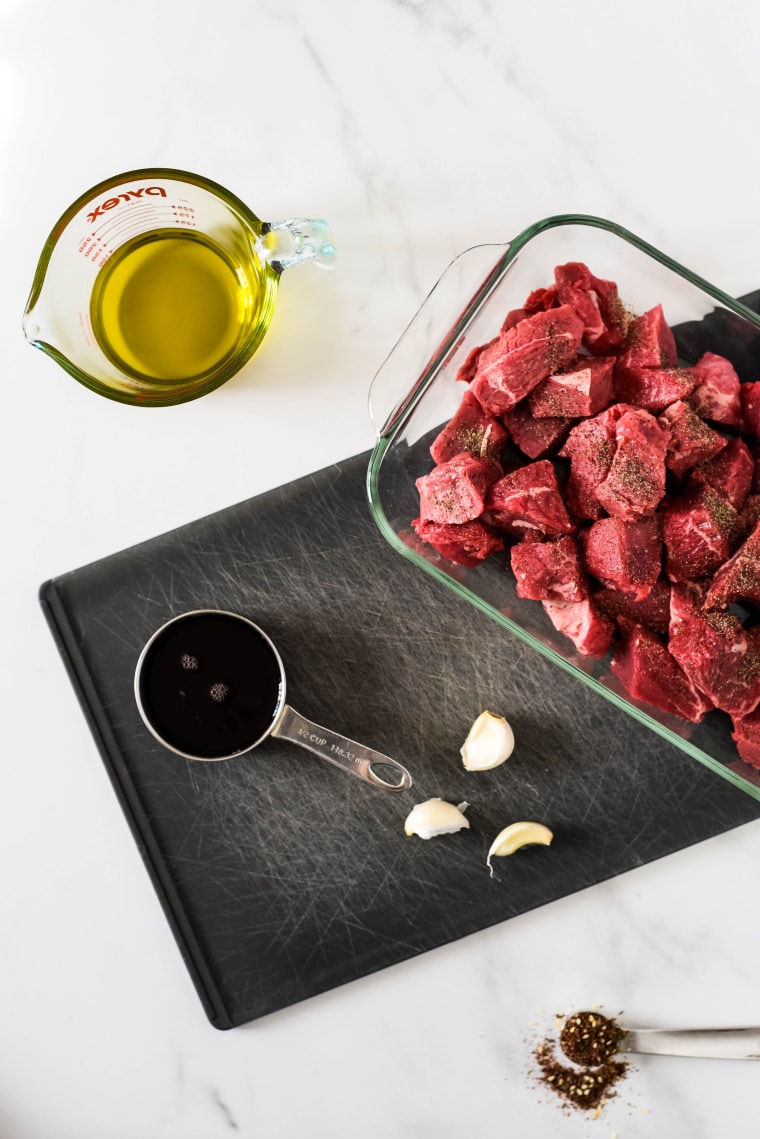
515 836
490 741
434 817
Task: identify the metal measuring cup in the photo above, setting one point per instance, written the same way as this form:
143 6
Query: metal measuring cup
210 685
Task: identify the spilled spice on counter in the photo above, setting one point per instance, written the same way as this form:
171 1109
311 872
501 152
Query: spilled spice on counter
590 1041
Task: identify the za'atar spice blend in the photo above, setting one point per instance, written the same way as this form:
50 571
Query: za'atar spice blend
589 1041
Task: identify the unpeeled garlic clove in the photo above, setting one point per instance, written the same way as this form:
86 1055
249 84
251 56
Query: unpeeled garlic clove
434 817
516 835
490 741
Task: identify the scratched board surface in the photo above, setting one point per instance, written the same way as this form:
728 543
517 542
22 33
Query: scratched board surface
282 877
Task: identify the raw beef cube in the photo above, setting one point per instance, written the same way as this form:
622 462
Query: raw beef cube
698 529
470 366
549 571
635 482
455 491
617 319
652 611
587 627
750 399
691 440
623 555
583 390
731 472
524 355
650 343
467 544
590 446
536 438
747 735
649 673
598 305
467 370
529 499
540 300
716 395
738 579
652 388
573 283
720 657
560 327
470 429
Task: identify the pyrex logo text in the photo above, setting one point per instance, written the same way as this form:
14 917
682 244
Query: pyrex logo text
109 203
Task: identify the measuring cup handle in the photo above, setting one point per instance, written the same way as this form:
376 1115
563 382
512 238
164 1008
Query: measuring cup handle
348 755
283 244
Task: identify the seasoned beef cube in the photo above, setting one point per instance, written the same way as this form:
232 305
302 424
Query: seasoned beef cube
586 626
523 356
750 400
623 555
652 388
652 611
590 446
691 440
635 482
455 491
549 571
467 544
746 733
470 429
730 472
649 673
529 499
650 343
738 579
716 395
597 303
584 389
573 283
720 658
698 529
536 438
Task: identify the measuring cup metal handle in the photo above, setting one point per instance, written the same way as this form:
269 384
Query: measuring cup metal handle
350 756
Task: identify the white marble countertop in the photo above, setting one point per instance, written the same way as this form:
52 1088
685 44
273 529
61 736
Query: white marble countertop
418 128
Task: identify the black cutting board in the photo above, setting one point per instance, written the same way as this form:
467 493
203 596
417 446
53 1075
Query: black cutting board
282 877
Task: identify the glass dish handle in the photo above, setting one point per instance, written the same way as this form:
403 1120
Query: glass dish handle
420 349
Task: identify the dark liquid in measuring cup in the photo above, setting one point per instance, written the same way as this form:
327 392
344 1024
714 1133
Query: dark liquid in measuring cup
210 685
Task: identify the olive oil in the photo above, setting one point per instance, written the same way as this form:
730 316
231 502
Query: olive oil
171 305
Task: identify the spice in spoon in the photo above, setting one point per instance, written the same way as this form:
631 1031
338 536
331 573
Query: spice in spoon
589 1041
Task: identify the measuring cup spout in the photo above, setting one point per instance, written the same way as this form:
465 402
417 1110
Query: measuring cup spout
283 244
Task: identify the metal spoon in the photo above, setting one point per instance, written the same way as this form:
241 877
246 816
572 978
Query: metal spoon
709 1043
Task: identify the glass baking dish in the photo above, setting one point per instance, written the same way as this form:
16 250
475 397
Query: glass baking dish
415 393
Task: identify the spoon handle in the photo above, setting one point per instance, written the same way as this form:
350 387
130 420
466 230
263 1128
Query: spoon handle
712 1043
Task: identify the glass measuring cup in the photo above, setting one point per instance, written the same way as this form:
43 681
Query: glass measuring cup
156 286
210 685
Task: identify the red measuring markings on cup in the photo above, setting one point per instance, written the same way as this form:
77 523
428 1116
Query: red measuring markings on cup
117 199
